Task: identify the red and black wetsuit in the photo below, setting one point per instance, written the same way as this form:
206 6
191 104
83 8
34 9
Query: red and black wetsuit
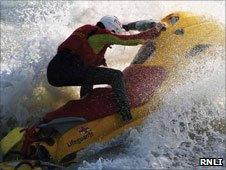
78 57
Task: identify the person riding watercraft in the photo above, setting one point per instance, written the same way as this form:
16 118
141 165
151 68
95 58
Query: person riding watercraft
78 59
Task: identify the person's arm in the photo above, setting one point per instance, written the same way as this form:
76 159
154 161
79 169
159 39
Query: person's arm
98 41
142 25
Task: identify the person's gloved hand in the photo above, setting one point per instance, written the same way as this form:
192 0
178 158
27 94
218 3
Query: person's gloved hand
161 26
154 31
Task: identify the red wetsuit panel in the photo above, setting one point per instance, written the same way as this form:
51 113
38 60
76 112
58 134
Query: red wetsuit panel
141 83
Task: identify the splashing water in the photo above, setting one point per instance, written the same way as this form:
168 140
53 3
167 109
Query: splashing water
188 125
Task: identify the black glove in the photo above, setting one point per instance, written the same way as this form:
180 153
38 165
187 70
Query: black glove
161 26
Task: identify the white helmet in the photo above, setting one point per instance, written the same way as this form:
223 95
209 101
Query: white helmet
112 24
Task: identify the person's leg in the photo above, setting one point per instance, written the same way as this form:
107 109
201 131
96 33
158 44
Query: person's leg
62 71
85 89
65 70
99 75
